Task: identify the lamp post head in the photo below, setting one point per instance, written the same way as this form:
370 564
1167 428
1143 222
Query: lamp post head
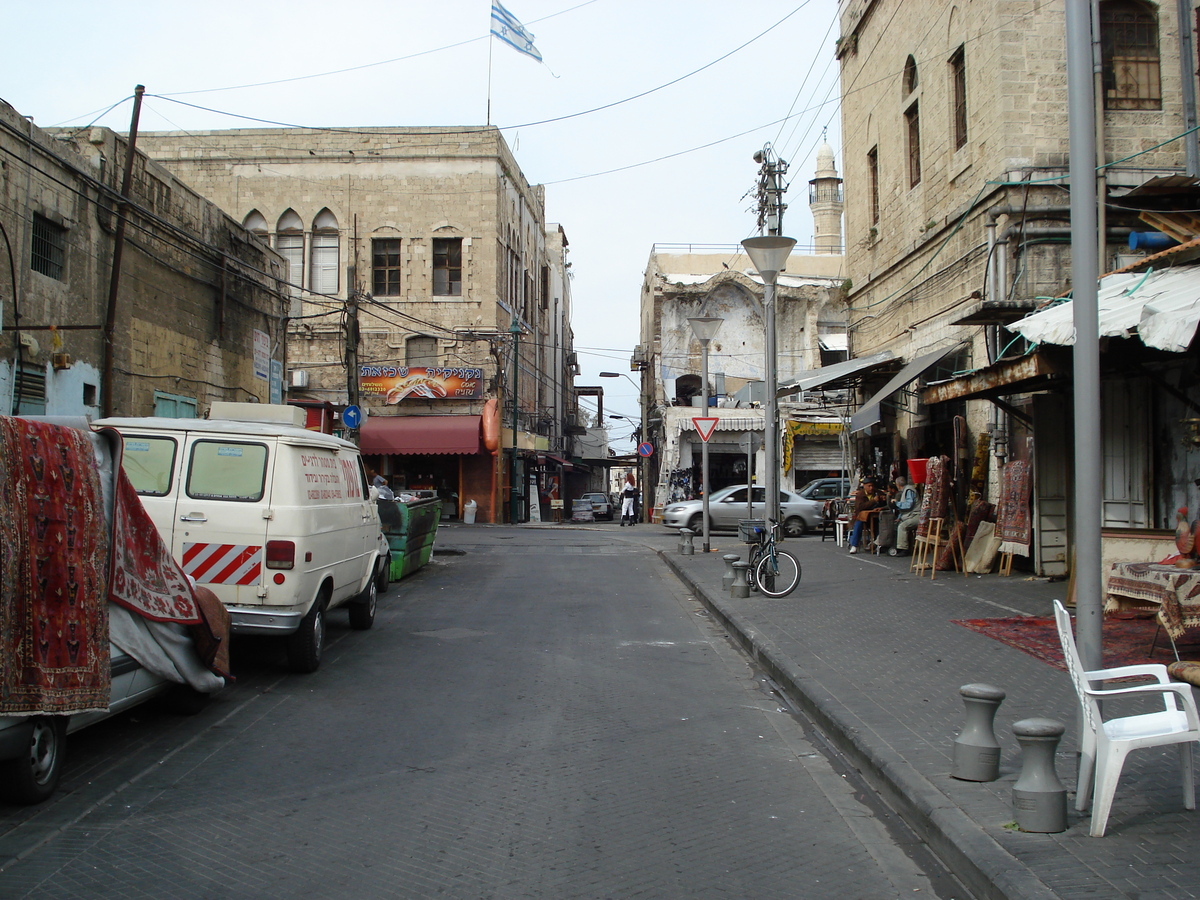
610 374
705 327
769 255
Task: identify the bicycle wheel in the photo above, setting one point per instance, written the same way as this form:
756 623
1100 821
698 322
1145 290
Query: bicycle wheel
756 556
777 574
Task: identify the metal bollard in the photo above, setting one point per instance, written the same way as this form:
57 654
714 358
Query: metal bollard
727 578
740 588
976 750
1038 796
685 542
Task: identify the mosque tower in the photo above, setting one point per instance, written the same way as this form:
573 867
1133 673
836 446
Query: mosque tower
825 201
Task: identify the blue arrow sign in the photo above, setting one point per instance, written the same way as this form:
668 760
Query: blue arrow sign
351 416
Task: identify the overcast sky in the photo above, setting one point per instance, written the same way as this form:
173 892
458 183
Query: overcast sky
684 153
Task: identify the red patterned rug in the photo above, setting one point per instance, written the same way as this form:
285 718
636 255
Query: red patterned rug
1126 640
53 549
145 578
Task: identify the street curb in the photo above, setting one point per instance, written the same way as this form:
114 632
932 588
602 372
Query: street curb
984 867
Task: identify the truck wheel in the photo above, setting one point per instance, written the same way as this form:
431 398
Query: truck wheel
362 609
304 646
382 579
33 776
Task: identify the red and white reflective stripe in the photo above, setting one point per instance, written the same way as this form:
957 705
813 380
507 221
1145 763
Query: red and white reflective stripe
223 563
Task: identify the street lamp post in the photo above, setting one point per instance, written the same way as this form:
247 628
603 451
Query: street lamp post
705 329
769 256
642 413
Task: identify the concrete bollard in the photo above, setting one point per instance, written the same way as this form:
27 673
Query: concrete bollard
1038 796
727 578
685 542
976 750
740 589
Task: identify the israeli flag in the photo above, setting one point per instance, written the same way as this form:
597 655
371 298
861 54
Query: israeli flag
506 27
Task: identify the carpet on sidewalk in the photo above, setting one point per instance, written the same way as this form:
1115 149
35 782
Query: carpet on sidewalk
1127 640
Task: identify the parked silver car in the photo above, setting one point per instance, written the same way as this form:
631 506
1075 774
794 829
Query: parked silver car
601 507
814 496
728 505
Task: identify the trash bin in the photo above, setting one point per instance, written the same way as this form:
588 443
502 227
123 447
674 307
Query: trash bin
469 512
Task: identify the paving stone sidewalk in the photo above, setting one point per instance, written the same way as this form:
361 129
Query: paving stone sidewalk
871 652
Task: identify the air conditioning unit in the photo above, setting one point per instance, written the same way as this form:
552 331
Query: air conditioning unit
299 378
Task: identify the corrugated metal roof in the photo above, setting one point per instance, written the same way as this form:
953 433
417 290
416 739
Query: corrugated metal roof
1162 308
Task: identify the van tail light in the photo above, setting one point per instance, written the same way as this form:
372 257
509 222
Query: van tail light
281 554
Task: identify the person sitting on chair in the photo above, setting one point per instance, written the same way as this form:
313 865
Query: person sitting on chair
908 511
866 499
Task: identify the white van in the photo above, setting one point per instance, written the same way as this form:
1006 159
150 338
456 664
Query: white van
276 520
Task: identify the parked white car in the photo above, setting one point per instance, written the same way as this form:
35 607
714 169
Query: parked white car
601 507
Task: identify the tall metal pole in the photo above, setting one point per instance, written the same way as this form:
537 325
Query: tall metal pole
771 414
114 281
705 329
514 498
1187 68
704 444
769 254
1084 276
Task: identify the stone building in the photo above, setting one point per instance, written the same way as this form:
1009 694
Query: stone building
686 281
198 312
430 246
957 218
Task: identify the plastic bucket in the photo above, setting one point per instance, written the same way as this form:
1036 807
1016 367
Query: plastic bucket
916 470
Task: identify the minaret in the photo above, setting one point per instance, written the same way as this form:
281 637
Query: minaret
825 201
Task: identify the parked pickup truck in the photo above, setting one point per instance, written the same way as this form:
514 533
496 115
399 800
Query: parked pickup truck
95 616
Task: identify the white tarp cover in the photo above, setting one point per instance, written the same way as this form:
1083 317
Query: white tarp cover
1162 308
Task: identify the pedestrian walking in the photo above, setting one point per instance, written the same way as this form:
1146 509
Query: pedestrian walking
629 498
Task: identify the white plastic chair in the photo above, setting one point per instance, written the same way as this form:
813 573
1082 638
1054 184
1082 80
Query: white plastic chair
1105 744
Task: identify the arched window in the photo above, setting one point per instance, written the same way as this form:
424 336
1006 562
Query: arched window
289 241
255 222
910 76
1129 46
324 275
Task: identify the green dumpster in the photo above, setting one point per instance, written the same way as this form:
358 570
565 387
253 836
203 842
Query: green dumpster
410 529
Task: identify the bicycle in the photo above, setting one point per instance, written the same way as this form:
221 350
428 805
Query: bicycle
773 572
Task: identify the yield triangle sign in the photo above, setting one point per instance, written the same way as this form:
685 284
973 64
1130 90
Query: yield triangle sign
705 426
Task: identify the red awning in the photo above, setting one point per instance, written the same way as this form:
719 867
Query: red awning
405 435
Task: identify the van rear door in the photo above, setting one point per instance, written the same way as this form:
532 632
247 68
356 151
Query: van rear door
220 530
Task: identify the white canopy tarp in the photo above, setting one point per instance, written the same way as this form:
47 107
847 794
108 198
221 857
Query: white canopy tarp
1162 308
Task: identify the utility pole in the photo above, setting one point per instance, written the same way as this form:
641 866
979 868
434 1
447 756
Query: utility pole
114 281
352 337
514 329
770 191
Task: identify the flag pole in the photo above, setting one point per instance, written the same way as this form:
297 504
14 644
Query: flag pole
489 81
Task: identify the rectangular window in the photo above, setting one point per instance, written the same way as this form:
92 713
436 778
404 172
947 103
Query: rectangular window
29 398
447 267
173 406
958 82
225 470
912 118
324 263
149 463
421 351
873 182
385 267
1130 55
291 248
48 253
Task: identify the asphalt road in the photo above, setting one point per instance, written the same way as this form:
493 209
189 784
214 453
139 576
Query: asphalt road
541 713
